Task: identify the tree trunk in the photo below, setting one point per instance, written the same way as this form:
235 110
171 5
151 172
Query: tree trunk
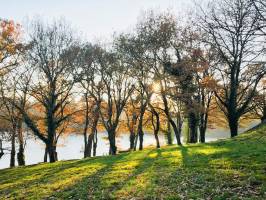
169 134
132 140
141 134
202 134
156 126
52 153
233 125
1 149
203 127
157 140
177 134
86 145
263 118
111 137
13 150
95 142
132 130
136 142
193 128
89 145
140 125
20 154
45 155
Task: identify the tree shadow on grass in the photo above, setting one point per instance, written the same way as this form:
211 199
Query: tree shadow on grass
106 182
196 171
217 171
45 179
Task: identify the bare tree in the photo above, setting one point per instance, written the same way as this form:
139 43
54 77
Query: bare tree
132 113
132 48
260 7
232 28
155 120
92 89
259 104
9 113
51 57
118 86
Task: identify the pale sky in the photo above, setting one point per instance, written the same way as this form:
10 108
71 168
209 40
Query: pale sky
96 19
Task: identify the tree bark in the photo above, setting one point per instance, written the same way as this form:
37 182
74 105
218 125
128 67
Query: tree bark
193 128
89 145
202 134
111 137
169 134
136 142
86 145
203 126
1 149
177 134
156 126
52 153
263 118
20 154
141 134
171 121
95 142
132 140
233 125
140 124
45 155
13 149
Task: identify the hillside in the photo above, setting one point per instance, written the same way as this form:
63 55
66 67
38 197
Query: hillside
226 169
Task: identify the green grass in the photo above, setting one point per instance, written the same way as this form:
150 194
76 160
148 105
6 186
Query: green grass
226 169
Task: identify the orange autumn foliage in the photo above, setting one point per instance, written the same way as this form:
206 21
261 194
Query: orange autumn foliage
10 33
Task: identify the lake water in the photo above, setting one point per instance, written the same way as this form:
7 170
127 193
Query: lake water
71 147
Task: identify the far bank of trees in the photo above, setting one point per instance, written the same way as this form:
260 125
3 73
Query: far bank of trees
165 74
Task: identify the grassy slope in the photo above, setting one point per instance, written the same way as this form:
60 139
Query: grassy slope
227 169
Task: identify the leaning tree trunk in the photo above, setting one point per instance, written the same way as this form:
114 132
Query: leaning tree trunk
177 134
171 121
157 140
